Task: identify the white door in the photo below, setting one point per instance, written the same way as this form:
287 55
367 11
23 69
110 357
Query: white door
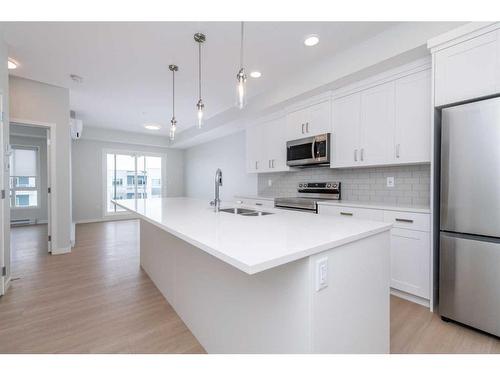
410 261
377 124
256 145
468 70
3 199
274 132
413 118
345 136
318 119
296 125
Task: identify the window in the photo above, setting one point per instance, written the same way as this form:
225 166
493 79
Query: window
130 176
24 177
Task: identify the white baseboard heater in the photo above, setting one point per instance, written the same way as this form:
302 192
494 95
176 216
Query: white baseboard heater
22 222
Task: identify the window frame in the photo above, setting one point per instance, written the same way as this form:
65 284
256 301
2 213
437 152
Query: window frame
37 188
136 154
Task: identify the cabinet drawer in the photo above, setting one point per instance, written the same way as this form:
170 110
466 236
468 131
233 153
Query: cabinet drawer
354 212
256 202
408 220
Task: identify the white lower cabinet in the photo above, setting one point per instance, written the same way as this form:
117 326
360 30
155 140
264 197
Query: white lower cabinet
410 261
410 245
255 202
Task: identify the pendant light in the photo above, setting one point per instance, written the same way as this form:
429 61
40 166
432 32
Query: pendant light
241 76
199 38
173 123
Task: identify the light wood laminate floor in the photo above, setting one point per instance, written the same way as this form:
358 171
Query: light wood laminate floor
98 300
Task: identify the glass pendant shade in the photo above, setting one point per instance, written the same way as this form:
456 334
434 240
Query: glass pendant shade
241 97
200 107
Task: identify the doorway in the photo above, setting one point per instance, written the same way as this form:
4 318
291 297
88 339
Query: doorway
29 195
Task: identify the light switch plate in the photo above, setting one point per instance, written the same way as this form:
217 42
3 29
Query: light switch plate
390 181
321 274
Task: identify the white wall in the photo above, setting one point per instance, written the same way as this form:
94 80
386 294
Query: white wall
38 214
229 155
36 101
5 218
87 176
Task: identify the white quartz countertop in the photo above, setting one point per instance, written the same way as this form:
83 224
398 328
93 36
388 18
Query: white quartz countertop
251 243
377 206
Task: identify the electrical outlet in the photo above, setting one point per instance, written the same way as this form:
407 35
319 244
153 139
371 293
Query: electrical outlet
269 182
390 181
321 274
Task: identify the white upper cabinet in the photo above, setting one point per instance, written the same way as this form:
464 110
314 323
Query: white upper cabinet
309 121
377 125
467 70
346 122
413 118
385 124
266 147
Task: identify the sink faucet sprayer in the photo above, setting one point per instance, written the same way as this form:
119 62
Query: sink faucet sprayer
218 183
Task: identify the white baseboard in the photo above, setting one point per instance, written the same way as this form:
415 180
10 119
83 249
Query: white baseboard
411 297
107 218
62 250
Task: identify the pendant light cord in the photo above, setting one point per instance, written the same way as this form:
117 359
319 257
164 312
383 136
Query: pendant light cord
199 68
241 45
173 93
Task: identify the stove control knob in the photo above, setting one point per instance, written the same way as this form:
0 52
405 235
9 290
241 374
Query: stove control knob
300 185
329 185
305 185
334 186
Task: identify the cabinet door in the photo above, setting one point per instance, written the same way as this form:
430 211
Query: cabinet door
468 70
410 261
256 147
413 118
377 125
295 125
318 119
274 134
345 136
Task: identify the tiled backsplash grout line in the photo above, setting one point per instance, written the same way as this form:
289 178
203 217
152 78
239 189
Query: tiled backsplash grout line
412 183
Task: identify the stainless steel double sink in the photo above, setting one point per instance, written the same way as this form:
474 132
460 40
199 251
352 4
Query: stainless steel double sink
245 212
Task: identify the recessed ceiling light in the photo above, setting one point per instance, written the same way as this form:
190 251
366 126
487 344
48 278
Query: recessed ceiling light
152 126
76 78
255 74
311 40
12 64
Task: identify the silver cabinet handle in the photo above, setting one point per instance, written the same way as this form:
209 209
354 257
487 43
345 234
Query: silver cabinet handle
404 220
362 154
302 128
272 163
397 150
346 213
307 127
269 163
258 204
356 155
256 165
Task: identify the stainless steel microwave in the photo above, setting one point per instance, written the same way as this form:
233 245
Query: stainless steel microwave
308 152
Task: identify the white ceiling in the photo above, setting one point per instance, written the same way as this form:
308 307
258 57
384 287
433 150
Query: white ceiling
126 81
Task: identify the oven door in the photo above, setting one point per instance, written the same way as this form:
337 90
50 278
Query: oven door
309 151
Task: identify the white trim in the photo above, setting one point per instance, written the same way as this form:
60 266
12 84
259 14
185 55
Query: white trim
461 34
316 99
51 178
410 297
125 142
384 77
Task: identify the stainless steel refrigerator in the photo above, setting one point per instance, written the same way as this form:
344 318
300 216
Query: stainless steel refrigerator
469 279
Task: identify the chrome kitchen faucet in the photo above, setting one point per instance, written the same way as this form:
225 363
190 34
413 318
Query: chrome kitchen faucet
218 183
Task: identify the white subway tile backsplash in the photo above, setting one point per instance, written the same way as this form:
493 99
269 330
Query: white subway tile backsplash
412 183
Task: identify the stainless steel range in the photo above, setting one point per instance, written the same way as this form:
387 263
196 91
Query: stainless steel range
308 196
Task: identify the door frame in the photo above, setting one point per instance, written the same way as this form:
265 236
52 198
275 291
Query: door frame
3 278
51 175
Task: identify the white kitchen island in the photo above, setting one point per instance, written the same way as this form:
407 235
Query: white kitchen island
255 284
